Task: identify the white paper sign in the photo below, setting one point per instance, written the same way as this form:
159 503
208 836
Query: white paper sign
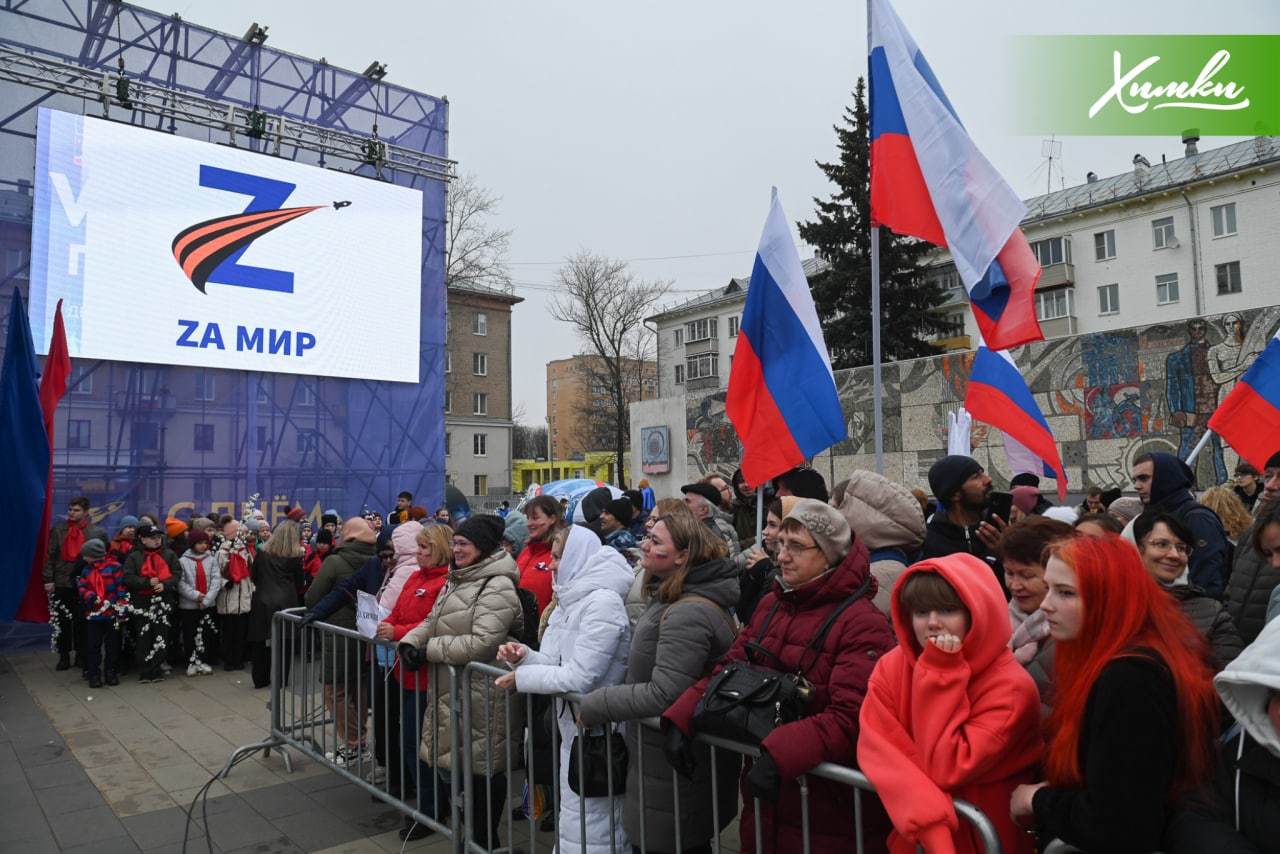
369 613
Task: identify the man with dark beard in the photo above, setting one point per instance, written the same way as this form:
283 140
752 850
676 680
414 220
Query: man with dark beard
963 490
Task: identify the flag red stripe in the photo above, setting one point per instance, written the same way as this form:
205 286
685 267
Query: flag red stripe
768 448
1250 423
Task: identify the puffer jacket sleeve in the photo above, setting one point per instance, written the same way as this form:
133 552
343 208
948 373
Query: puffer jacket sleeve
830 735
495 610
921 811
602 631
343 594
1208 565
1224 639
685 637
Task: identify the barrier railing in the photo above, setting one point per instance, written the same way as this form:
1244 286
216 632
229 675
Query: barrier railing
440 791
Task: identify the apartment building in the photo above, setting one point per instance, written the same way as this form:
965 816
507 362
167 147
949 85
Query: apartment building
1161 243
477 398
574 388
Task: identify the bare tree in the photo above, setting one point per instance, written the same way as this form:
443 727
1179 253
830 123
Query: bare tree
606 305
475 252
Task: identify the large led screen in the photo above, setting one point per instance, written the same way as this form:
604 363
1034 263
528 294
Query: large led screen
175 251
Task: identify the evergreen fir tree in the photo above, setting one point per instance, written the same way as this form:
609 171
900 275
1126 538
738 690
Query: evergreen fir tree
841 234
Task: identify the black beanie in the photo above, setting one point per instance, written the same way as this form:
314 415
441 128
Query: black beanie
1026 478
1273 461
948 474
621 509
484 531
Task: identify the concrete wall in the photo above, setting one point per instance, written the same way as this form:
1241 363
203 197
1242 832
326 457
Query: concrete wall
1106 396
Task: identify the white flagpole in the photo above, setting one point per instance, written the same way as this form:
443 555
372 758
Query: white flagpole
1195 452
877 390
760 516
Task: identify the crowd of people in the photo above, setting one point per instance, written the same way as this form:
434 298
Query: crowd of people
1107 675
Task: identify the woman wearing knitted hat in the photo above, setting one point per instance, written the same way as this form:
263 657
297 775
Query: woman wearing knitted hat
824 583
477 612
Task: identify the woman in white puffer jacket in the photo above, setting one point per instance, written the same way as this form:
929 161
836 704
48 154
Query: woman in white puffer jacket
585 647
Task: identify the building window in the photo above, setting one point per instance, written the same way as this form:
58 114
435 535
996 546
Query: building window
1054 304
1162 235
479 403
204 386
448 362
448 443
481 483
479 445
952 324
480 323
949 278
1104 245
306 441
1224 220
80 381
1052 250
700 330
1109 299
679 333
1228 277
263 394
679 374
306 393
203 440
1167 289
262 437
78 434
733 327
480 364
702 366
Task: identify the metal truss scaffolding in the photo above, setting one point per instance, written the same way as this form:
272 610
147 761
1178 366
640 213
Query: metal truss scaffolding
160 438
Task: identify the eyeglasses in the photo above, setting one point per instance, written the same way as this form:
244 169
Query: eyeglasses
1166 545
794 547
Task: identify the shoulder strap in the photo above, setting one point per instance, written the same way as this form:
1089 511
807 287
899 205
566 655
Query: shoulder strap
815 645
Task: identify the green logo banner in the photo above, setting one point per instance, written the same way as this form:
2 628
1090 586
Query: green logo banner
1146 85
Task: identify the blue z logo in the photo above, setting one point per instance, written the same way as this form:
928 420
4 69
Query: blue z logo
267 195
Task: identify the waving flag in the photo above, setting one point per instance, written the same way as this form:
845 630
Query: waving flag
782 396
930 181
1250 416
24 458
998 395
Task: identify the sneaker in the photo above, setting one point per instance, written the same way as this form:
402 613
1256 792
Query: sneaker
95 682
166 668
148 676
113 679
205 669
412 830
193 669
349 756
64 662
376 775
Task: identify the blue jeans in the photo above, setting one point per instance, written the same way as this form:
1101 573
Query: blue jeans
413 707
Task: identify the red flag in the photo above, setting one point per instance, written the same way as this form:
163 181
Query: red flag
53 385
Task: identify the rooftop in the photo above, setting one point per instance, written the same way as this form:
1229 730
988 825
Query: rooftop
1140 181
733 292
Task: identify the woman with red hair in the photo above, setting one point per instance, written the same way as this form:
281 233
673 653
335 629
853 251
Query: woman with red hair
1135 712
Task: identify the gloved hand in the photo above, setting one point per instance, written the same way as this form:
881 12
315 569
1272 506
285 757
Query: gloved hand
763 780
678 749
411 657
309 617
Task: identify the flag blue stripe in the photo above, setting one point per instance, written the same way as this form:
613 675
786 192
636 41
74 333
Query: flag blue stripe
1263 375
992 370
794 371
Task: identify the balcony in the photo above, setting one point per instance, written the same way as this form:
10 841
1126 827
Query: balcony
1058 327
706 345
703 383
1056 275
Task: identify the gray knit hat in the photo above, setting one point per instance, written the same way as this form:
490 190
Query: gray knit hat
94 549
827 525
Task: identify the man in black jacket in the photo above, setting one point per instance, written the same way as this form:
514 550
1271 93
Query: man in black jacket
963 489
1166 483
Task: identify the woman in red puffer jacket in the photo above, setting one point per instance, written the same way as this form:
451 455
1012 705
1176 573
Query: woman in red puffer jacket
546 518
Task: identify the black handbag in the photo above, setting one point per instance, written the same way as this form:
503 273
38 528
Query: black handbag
745 701
602 754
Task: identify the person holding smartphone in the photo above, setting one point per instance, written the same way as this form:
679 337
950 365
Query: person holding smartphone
964 491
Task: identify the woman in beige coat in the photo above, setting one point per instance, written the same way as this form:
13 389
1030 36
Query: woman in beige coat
885 516
477 612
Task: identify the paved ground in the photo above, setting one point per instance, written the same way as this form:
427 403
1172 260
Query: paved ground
112 770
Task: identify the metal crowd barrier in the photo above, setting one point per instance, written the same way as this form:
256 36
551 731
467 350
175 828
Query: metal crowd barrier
301 720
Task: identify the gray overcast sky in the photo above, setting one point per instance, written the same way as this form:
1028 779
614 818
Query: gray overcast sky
656 129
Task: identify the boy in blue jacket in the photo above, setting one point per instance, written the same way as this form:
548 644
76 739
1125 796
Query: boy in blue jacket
106 601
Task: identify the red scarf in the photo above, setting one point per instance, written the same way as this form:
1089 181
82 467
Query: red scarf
237 568
96 583
74 540
121 546
155 566
202 583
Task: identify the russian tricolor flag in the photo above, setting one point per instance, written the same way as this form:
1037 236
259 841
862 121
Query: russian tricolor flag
930 181
998 395
782 395
1250 416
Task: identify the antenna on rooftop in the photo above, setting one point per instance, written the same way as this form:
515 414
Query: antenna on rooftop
1051 151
